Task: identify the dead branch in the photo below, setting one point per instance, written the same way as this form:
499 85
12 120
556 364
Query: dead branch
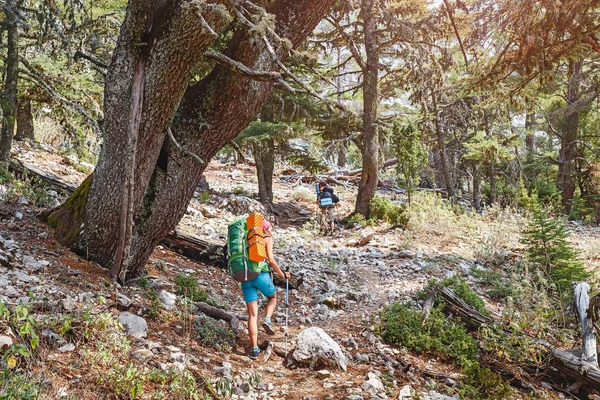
217 313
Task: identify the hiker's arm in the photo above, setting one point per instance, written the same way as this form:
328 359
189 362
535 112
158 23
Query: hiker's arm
271 258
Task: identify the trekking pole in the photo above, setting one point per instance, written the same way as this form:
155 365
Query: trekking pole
287 270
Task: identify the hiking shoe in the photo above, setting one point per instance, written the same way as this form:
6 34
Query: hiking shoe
254 352
268 327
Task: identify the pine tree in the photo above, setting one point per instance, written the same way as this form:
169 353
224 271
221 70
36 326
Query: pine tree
548 247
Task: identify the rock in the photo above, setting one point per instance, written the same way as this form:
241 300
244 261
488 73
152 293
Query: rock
209 212
71 159
405 254
11 292
167 299
323 373
203 185
315 347
406 393
142 354
23 277
373 385
18 215
124 301
52 338
353 397
135 326
366 237
68 303
433 395
245 386
67 347
86 297
362 358
5 342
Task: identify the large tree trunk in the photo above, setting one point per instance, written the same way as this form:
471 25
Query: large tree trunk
9 102
370 151
529 136
441 144
137 197
264 156
568 146
492 178
476 190
24 120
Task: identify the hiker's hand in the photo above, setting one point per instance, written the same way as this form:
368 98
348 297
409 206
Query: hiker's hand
286 275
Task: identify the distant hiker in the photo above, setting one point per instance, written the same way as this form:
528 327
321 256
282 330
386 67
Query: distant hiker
264 284
326 200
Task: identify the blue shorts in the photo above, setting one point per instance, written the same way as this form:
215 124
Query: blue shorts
263 282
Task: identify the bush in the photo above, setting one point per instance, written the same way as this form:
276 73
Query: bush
446 338
382 208
402 326
188 287
548 248
213 334
482 384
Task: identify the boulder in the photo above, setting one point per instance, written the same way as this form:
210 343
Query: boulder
316 348
134 325
373 385
167 299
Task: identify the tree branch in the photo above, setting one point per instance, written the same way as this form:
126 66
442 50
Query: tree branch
184 150
32 74
78 54
264 76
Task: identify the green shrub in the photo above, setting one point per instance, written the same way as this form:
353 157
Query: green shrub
188 287
548 248
213 334
482 384
204 197
445 338
439 336
383 209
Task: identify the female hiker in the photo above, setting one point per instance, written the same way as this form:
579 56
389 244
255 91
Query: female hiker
264 284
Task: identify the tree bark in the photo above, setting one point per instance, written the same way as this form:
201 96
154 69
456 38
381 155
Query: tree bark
264 157
529 136
441 143
9 103
582 303
370 150
24 120
570 126
492 178
476 190
204 117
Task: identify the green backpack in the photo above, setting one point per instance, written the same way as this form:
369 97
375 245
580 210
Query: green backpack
240 267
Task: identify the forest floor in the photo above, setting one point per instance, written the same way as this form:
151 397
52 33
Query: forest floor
84 354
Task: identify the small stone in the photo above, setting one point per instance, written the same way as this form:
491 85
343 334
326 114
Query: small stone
323 373
373 385
67 347
135 326
68 303
405 393
5 342
167 299
18 215
11 292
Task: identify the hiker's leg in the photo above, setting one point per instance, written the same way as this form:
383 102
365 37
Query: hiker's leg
253 322
271 303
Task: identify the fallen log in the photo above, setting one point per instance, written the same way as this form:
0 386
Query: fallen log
567 362
195 248
582 304
48 177
217 313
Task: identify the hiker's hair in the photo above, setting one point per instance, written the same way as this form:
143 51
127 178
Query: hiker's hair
266 225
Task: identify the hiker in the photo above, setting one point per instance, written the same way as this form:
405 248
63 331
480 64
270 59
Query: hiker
327 200
264 284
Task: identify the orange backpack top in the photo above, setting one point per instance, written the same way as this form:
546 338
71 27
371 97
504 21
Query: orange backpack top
257 251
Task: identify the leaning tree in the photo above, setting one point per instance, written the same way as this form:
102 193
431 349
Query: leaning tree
160 131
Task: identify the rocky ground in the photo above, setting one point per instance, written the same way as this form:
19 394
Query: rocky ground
348 278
